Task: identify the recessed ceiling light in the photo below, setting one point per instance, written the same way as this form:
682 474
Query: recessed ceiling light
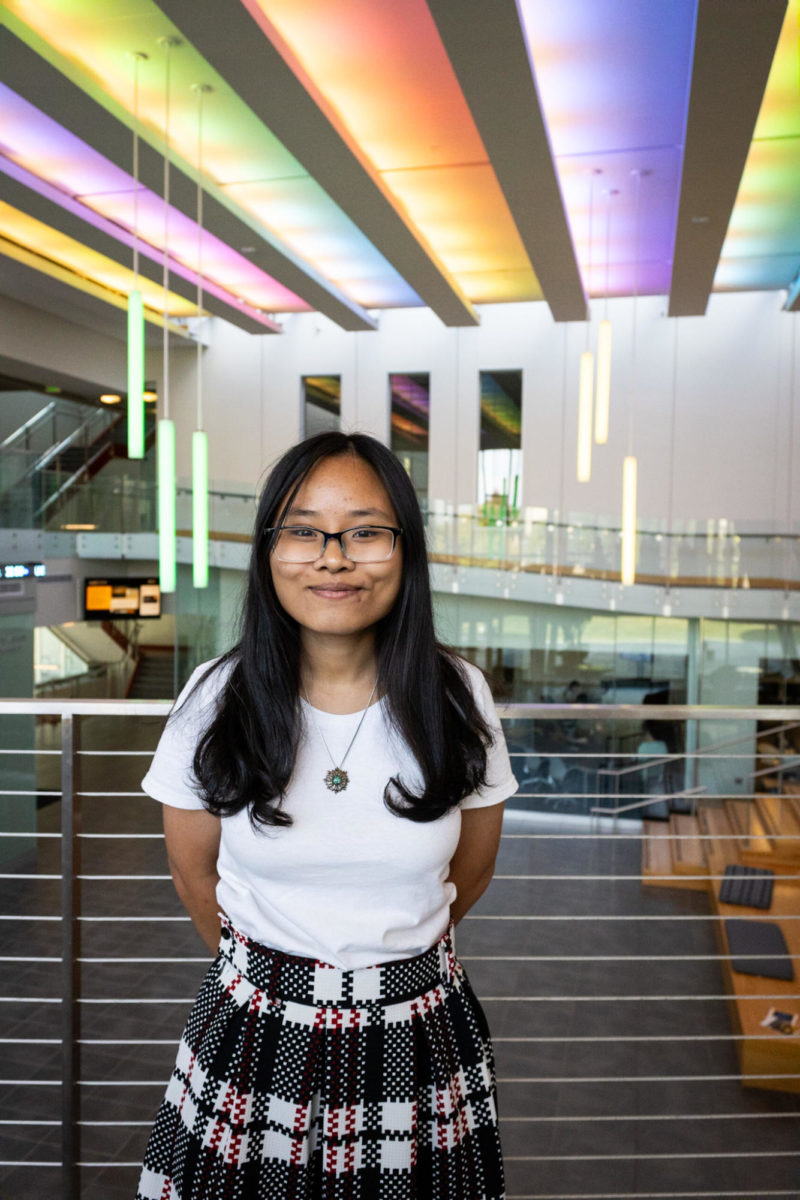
150 396
110 398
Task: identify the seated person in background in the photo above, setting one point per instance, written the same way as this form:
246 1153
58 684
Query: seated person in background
651 779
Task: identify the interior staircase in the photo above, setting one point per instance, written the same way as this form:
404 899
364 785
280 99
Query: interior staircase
154 676
692 852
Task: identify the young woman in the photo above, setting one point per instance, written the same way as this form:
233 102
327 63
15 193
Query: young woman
332 792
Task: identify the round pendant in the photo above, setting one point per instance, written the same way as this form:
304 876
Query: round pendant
336 780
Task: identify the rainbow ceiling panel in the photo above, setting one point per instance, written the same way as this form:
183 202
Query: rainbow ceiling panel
41 146
613 80
762 246
242 161
384 70
613 77
25 233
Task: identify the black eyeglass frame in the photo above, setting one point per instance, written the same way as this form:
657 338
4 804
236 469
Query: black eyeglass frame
276 530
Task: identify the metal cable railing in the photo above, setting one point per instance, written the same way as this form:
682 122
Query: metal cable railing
608 981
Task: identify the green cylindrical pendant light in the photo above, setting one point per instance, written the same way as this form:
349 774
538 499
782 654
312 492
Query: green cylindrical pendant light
135 375
167 558
199 437
200 509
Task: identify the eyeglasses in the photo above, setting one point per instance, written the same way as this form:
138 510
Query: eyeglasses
361 544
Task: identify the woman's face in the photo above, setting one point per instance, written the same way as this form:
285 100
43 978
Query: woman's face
334 595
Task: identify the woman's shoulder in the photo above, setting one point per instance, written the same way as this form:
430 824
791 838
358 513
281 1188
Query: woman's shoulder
472 675
205 684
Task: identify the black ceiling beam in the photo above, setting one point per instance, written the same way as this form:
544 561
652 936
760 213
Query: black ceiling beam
487 46
734 46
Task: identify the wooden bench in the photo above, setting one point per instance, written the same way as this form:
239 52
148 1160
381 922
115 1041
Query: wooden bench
693 852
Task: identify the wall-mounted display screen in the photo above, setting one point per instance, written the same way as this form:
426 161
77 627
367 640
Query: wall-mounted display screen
105 599
23 570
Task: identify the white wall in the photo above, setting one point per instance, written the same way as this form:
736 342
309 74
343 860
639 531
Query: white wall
729 373
30 336
732 444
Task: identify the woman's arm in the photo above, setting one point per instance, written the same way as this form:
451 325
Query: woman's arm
472 865
192 837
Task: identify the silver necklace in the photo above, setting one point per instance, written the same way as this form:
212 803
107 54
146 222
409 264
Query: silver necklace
337 779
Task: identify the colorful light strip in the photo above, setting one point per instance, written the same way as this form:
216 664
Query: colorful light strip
244 163
35 238
395 90
39 145
613 79
762 245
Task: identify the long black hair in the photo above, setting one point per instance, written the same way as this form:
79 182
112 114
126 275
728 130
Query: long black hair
246 755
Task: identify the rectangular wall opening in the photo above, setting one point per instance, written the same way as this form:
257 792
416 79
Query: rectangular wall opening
322 403
500 453
410 399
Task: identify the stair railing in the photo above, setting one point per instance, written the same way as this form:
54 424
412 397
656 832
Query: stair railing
647 762
98 418
24 432
685 794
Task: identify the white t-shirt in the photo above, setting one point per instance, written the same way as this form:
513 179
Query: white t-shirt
348 882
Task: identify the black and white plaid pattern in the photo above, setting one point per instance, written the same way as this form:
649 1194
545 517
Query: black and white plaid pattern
296 1080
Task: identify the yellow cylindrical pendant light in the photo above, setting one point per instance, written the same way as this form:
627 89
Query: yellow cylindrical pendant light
603 382
200 509
585 417
135 375
167 559
629 471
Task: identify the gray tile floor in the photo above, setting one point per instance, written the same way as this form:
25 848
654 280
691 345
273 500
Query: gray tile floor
599 1095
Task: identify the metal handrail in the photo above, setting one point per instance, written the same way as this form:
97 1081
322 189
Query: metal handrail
71 876
654 761
505 710
65 443
686 794
37 419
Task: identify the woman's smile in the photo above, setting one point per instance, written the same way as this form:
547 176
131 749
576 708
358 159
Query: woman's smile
335 591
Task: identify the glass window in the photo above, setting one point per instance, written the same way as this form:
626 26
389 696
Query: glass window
410 395
500 454
322 403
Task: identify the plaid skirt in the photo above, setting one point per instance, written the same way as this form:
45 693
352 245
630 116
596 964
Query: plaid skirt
296 1080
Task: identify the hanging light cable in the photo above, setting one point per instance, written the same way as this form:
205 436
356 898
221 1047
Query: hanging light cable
165 432
586 376
135 306
787 543
199 437
603 396
630 465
